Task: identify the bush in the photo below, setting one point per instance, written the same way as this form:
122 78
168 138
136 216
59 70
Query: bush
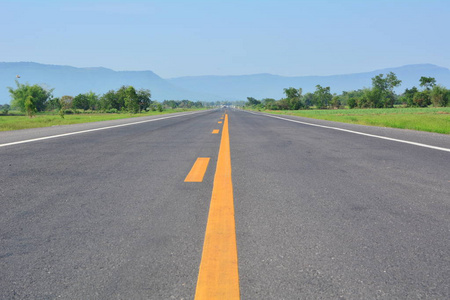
35 94
422 99
352 103
439 96
112 111
5 109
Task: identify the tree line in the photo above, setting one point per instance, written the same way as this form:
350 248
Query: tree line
380 95
34 98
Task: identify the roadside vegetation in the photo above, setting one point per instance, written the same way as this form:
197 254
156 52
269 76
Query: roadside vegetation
32 99
34 106
425 109
423 119
19 120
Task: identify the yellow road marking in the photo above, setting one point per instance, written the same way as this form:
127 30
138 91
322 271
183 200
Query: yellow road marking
215 131
218 276
198 170
220 122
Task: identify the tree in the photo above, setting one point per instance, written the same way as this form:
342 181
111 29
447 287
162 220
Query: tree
283 104
291 92
383 89
143 97
109 100
336 101
439 96
351 102
308 99
293 98
322 96
131 100
252 101
5 108
408 96
61 109
427 82
38 94
422 99
81 101
171 103
350 98
93 100
198 104
122 94
66 102
368 97
185 104
53 104
30 107
269 103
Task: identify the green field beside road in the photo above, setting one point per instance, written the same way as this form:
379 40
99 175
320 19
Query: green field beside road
423 119
16 122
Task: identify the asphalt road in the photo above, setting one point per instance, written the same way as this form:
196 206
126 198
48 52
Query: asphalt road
320 213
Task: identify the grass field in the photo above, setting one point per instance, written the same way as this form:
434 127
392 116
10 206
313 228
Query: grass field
16 122
436 119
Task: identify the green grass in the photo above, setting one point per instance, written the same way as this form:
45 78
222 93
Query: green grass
16 121
432 119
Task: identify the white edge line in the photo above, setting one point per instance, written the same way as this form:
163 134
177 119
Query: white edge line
95 129
357 132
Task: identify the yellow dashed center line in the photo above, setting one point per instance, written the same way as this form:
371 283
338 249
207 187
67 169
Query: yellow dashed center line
215 131
218 276
198 170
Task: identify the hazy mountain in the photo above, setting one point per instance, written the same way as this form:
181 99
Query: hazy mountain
271 86
72 81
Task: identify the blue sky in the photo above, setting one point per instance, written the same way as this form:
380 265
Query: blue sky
187 38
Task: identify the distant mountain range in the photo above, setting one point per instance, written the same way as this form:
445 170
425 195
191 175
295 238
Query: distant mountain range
72 81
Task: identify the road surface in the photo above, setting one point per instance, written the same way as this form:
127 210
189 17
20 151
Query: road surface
318 212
